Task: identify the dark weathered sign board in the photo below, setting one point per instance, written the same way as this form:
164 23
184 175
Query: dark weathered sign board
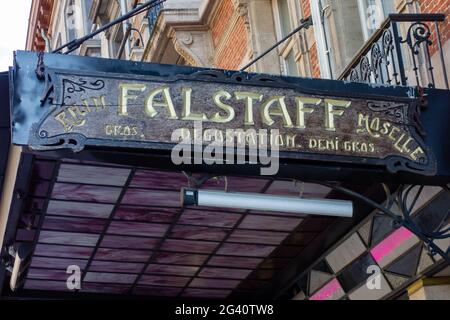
81 107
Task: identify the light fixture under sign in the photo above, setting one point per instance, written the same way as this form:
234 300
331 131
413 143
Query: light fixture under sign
264 202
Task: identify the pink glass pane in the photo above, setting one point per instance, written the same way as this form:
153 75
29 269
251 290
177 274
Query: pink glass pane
172 270
93 175
110 277
121 242
80 192
137 229
245 250
74 224
269 223
188 246
146 214
205 293
330 289
209 218
58 251
79 209
180 258
152 198
235 262
47 274
198 233
57 263
157 291
214 283
105 288
389 244
159 180
122 255
80 239
257 237
164 281
209 272
46 285
122 267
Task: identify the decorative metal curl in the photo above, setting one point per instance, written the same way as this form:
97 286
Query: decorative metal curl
387 42
417 34
354 76
365 69
377 59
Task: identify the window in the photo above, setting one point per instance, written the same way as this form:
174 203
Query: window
342 27
87 5
70 20
285 13
117 42
58 41
372 13
284 17
291 64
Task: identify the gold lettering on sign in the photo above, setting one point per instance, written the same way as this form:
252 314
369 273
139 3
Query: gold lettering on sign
167 103
302 109
331 112
217 117
75 116
125 95
248 97
121 131
401 140
267 111
187 112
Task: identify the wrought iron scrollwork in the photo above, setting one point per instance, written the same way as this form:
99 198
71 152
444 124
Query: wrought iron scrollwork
354 76
377 63
82 85
417 34
385 59
401 197
377 59
365 69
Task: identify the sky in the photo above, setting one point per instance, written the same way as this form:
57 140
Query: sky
14 16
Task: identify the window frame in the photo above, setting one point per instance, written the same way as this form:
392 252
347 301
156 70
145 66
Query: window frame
289 46
362 5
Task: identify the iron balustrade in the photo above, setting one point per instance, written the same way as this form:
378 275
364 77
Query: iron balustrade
153 15
400 53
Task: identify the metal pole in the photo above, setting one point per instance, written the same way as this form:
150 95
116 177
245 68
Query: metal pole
398 51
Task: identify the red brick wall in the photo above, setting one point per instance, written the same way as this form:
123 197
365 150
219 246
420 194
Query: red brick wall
234 49
314 60
306 8
313 55
221 20
437 6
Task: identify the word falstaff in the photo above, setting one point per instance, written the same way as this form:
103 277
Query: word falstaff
274 106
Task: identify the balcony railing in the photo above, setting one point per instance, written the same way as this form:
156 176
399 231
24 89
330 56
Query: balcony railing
153 14
406 50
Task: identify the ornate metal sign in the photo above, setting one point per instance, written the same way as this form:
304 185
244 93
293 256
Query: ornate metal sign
135 111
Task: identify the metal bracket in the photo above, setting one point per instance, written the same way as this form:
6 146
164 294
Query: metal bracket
400 196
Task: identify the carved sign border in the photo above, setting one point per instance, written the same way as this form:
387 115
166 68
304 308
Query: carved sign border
58 89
